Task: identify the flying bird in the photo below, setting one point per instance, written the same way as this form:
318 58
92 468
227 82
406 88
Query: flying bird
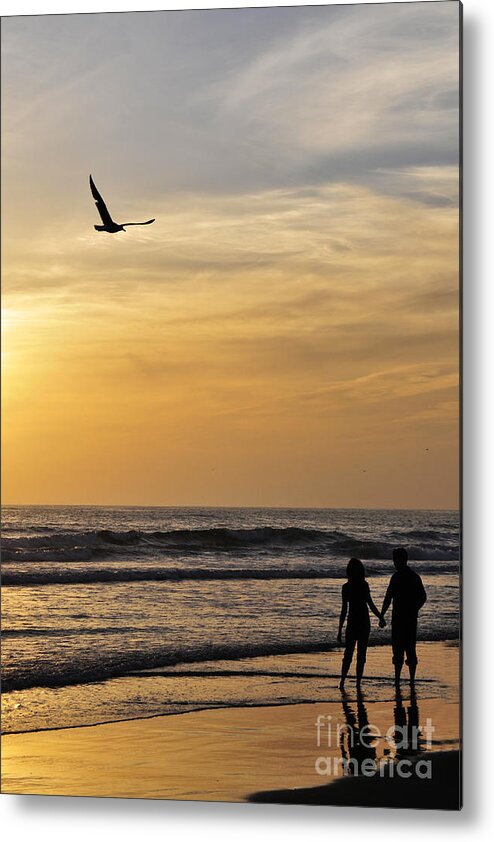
109 225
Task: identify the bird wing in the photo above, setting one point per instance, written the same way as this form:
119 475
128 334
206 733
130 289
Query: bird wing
139 223
102 209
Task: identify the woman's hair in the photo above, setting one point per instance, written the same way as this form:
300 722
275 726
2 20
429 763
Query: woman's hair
355 570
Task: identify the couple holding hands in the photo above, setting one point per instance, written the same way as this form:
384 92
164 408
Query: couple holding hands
405 591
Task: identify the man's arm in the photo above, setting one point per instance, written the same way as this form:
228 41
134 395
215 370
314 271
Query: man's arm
421 594
386 601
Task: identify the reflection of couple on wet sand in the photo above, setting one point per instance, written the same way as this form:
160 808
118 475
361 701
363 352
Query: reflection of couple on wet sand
358 738
405 591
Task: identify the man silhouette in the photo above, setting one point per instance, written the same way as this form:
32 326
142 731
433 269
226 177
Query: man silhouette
407 593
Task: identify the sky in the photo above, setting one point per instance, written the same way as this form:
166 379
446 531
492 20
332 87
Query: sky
286 332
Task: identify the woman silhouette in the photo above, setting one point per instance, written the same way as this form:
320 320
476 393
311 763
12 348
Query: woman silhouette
356 599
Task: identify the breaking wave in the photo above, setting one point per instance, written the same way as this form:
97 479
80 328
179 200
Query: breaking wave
430 545
126 663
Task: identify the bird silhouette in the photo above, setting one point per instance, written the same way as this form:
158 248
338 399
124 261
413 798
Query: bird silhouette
109 225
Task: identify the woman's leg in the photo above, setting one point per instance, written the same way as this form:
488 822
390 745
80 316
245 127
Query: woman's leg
350 641
361 656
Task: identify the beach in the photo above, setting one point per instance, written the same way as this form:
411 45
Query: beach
190 653
244 753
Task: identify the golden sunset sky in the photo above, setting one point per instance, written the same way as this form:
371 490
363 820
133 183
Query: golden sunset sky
286 332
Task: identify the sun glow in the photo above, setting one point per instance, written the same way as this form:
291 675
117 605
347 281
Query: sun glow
11 320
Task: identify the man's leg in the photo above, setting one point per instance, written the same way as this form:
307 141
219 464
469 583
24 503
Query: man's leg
411 650
398 654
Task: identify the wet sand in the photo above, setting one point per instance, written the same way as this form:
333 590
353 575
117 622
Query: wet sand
236 754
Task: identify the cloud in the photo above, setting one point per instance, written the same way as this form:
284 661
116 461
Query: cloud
228 102
319 284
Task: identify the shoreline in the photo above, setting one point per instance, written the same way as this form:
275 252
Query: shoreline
231 753
187 666
256 681
229 706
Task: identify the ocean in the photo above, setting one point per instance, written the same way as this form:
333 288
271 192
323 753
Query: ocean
124 612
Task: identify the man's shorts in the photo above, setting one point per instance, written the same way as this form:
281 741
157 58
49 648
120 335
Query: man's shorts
404 642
